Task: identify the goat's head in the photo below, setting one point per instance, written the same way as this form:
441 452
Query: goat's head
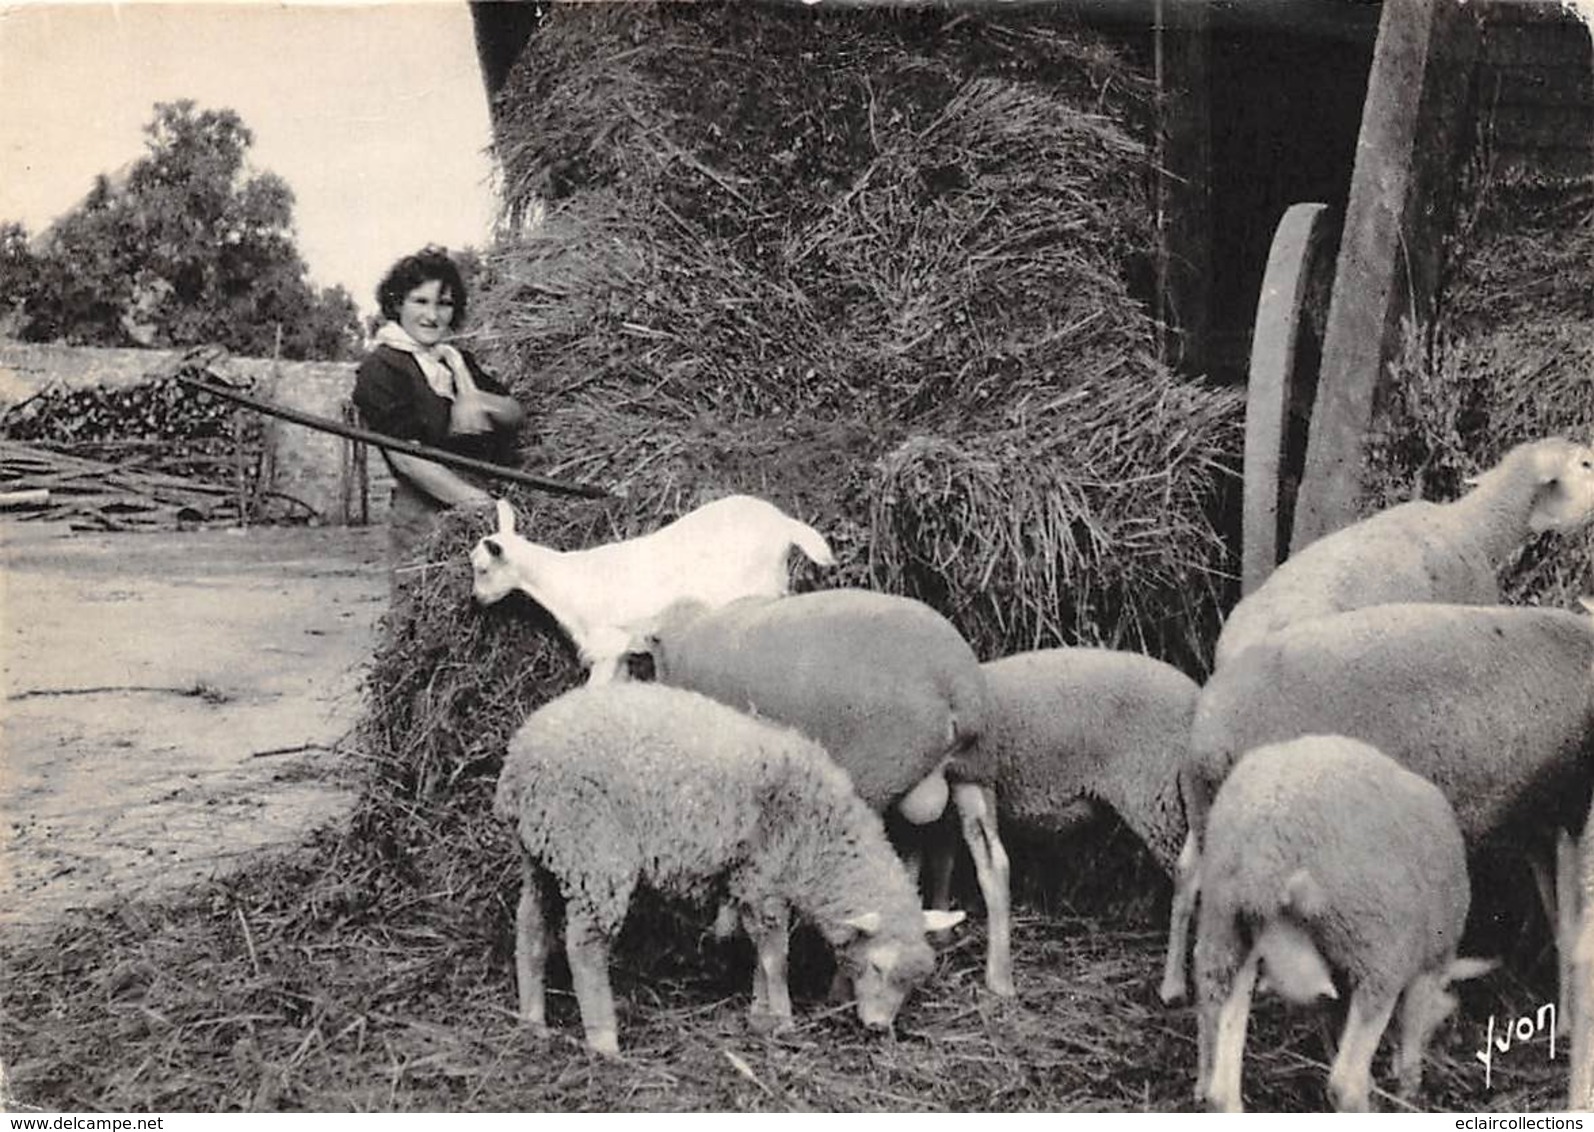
492 560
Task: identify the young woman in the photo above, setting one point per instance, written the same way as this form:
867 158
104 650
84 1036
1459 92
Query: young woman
415 386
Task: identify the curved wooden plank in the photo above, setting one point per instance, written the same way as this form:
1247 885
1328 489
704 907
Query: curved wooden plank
1285 348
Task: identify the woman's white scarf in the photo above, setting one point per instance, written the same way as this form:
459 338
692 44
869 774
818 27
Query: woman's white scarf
442 365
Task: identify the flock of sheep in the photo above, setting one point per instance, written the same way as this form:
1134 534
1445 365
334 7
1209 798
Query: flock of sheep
1375 715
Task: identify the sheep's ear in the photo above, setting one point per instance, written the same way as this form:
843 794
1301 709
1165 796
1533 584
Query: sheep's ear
868 922
506 518
1587 603
938 921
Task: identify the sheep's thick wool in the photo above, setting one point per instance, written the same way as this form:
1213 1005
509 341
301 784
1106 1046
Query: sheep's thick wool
613 785
1067 725
1492 703
1424 551
884 683
1379 842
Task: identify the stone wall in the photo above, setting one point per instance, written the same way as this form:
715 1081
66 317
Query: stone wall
342 482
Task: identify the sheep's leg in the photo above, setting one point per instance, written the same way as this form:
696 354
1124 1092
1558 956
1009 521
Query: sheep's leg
770 930
1567 898
940 860
1423 1005
587 946
1581 1087
976 807
1350 1081
1224 987
1186 887
531 944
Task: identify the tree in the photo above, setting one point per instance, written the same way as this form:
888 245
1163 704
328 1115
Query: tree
19 272
185 247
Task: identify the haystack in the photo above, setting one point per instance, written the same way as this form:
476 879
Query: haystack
879 268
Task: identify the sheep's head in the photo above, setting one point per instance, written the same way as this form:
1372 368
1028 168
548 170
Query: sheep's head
492 559
1563 473
884 968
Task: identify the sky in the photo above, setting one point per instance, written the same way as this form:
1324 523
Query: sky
374 114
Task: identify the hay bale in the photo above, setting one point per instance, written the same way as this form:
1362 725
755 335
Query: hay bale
760 248
875 267
1509 358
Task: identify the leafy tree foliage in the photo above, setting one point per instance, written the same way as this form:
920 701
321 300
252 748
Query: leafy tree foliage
185 246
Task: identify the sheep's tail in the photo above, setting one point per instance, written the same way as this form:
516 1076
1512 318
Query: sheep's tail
1303 896
812 543
1291 963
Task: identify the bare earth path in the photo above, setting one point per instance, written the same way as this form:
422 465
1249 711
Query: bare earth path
172 702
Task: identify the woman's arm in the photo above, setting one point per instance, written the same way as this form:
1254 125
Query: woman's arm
491 400
441 483
476 411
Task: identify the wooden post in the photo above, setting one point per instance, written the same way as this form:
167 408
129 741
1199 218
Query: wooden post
1417 101
1183 35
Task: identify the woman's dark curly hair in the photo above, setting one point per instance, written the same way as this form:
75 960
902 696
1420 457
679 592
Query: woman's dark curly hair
431 262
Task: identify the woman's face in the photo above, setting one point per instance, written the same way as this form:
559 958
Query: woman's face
427 312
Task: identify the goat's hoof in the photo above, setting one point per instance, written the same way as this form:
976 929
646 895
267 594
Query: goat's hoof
1172 992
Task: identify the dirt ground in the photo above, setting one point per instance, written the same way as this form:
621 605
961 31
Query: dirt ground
173 702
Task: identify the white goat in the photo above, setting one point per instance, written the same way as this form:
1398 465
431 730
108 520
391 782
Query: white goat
1424 551
1326 857
604 595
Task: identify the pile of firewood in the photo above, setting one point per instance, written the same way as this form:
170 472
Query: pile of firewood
156 454
98 495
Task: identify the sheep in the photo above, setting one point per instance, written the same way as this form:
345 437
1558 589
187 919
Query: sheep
609 786
1070 727
730 548
1494 704
1424 551
1324 855
884 683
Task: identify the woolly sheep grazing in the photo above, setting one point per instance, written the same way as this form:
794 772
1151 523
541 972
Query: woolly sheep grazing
1493 704
885 684
1424 551
730 548
614 785
1070 727
1332 857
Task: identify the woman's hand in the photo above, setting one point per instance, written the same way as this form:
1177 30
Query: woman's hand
470 415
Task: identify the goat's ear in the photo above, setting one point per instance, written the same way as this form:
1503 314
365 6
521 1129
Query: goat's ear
866 922
493 547
506 518
1587 603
